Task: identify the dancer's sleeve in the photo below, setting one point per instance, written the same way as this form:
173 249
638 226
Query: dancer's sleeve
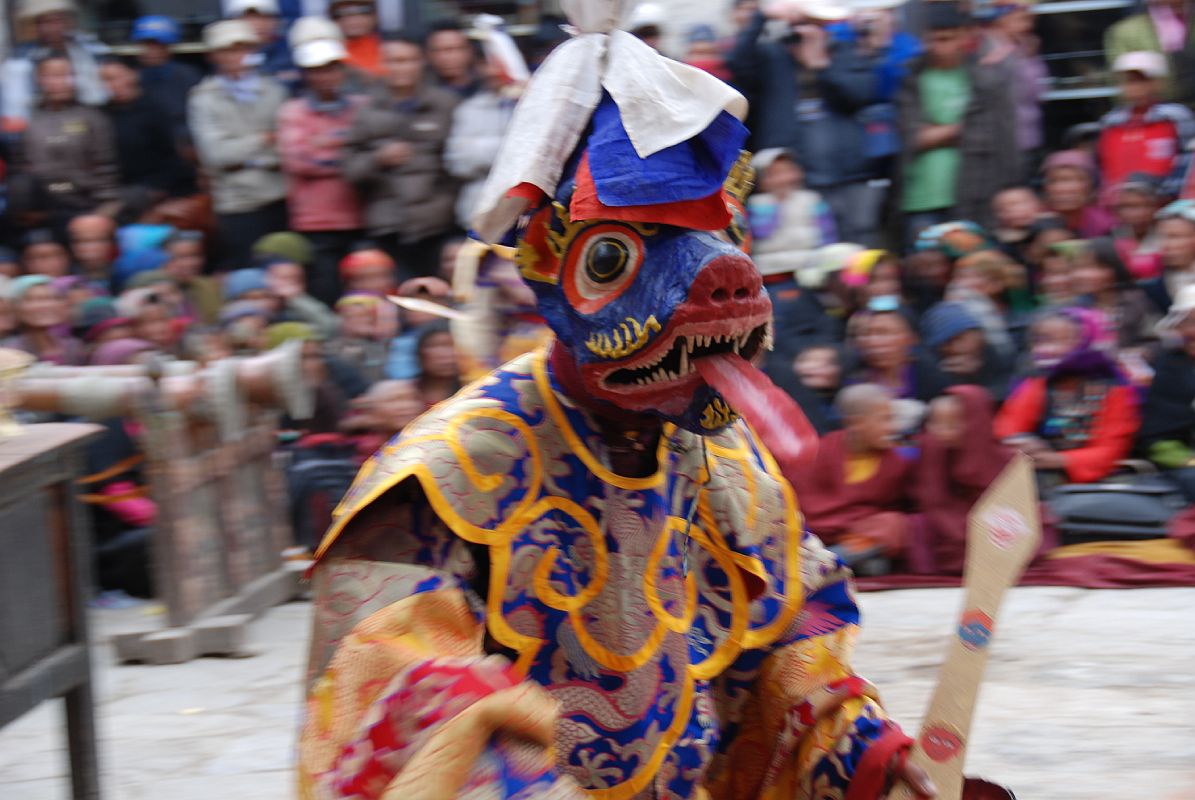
403 703
809 727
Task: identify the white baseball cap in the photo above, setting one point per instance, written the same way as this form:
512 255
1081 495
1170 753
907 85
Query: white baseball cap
239 8
319 53
228 33
310 29
1182 306
767 157
1149 64
32 9
646 15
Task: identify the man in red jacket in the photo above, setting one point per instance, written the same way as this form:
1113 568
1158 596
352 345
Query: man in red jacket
1143 134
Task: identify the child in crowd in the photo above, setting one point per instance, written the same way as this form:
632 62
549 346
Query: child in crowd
1176 243
369 270
788 221
1069 183
93 245
820 369
185 261
1143 134
1076 418
43 254
1015 209
361 341
855 495
1136 203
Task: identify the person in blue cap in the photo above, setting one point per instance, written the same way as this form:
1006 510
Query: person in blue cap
164 80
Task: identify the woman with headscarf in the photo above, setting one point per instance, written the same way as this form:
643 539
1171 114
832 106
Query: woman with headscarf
41 312
1077 416
960 458
1103 281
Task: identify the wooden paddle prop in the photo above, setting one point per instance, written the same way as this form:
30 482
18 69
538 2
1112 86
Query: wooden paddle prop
1003 533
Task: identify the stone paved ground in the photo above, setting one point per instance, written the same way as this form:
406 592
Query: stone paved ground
1091 696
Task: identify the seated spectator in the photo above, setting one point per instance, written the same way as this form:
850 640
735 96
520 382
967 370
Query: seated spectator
452 59
1077 417
395 159
959 460
855 495
369 270
40 314
788 221
930 267
1143 134
97 321
439 373
1176 235
232 116
819 368
890 357
956 338
185 260
43 254
1015 210
362 341
67 147
53 26
958 124
165 80
93 246
993 284
312 130
1136 204
1168 418
10 263
146 143
1069 185
1104 283
287 283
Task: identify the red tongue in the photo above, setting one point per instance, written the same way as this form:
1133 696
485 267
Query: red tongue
778 420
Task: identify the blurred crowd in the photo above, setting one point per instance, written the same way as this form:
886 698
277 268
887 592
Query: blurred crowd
947 288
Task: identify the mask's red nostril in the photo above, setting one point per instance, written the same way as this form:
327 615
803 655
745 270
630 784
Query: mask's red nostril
741 293
720 296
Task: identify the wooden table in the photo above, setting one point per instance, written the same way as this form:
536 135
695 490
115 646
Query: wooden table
45 581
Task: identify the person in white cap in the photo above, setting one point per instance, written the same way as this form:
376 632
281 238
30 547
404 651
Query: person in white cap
312 130
807 91
647 23
53 24
1163 27
272 56
1168 419
232 116
1143 134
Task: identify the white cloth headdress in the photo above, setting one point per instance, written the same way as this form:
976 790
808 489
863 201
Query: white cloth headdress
662 103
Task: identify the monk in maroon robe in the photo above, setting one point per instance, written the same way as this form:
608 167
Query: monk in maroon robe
857 493
960 457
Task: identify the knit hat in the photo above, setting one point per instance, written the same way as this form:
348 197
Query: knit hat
148 278
17 287
945 321
954 239
825 261
291 246
943 15
1179 209
240 310
363 259
240 282
857 270
283 332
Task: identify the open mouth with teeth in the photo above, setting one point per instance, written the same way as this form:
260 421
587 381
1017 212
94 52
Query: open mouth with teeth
673 359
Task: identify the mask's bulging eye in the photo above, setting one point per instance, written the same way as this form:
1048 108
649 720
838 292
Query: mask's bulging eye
600 264
606 260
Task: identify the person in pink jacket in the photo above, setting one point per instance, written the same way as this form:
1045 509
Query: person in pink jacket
311 131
